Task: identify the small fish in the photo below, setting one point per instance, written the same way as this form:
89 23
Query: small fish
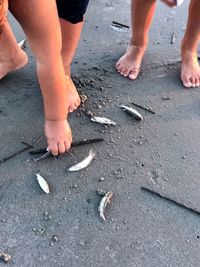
104 202
103 120
133 112
84 163
22 44
42 183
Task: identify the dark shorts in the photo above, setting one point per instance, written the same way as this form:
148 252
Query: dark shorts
72 10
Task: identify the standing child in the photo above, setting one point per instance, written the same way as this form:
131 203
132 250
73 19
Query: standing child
142 12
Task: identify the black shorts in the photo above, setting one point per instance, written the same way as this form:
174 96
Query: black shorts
72 10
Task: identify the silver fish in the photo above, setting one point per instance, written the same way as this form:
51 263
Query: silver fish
42 183
104 202
133 112
84 163
22 44
103 120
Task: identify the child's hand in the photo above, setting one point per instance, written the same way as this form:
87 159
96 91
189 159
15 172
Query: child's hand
59 136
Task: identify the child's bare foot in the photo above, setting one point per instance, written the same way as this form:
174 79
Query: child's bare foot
129 64
190 69
59 136
17 61
73 96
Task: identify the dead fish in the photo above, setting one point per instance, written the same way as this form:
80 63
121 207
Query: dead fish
84 163
42 183
22 44
104 202
103 120
5 257
133 112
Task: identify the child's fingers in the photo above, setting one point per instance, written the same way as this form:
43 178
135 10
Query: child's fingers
54 149
61 147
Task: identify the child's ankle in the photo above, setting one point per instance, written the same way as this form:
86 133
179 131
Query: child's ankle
67 68
140 43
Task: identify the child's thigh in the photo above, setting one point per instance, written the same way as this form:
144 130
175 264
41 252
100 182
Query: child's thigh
40 22
37 17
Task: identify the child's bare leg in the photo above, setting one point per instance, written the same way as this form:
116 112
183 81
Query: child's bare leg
41 25
142 12
45 41
11 56
190 69
70 38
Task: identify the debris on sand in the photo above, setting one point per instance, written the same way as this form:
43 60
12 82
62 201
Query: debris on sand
119 25
16 153
133 112
22 44
46 155
87 142
84 163
144 108
103 204
166 98
74 144
173 38
83 98
42 183
55 238
103 120
5 257
170 200
100 192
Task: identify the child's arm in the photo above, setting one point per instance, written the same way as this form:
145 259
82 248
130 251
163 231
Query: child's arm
40 22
